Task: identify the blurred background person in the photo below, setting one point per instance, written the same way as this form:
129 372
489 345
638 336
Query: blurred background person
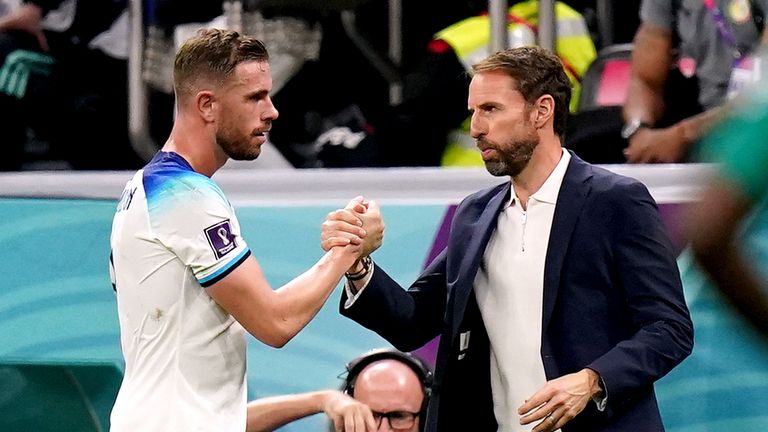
687 54
728 226
63 84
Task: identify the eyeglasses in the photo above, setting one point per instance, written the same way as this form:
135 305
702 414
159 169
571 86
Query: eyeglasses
397 419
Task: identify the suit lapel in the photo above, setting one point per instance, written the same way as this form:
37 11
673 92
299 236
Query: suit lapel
570 200
470 262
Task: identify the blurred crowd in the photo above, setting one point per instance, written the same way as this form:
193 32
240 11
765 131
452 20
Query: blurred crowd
649 76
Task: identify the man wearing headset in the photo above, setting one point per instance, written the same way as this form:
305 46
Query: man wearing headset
395 385
384 390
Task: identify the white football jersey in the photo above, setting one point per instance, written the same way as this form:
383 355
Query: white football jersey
173 234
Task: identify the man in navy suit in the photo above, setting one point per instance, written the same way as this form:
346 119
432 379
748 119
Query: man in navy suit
558 299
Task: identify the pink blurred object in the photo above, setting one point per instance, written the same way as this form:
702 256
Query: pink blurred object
613 83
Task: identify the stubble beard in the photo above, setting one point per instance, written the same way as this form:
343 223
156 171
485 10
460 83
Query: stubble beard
513 157
239 149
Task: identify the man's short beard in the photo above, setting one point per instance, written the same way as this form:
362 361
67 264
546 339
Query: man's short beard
237 150
513 162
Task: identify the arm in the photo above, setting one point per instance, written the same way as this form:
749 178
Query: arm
651 60
670 144
653 298
347 414
275 317
200 227
407 319
645 102
713 229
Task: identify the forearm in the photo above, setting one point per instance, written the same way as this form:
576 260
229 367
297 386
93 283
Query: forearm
651 61
644 102
298 301
693 128
270 413
406 318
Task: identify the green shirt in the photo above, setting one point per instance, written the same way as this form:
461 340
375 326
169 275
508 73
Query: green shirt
739 144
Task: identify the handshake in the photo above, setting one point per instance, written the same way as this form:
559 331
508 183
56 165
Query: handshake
357 229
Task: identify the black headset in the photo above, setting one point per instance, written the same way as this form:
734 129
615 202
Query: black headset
422 370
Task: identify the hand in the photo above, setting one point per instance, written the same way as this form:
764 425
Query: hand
348 254
665 145
560 400
373 224
359 222
344 226
28 18
347 414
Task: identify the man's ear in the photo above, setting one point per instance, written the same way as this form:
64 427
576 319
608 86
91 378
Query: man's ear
205 104
544 110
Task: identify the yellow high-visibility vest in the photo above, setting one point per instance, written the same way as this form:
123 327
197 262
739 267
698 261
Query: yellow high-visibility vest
470 40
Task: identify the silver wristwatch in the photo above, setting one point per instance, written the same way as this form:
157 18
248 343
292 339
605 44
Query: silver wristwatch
632 127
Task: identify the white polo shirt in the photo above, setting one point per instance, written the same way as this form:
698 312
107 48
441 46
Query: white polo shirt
174 233
509 288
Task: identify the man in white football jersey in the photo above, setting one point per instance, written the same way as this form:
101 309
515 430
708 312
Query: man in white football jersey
187 285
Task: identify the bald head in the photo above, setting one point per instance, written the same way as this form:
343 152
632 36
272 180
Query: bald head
389 385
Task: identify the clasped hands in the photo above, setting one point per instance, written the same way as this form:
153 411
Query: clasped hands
359 223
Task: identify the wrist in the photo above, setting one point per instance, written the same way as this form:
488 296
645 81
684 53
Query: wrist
360 269
322 400
595 383
357 266
632 127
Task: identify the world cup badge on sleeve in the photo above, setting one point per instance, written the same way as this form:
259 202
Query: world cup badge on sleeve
220 238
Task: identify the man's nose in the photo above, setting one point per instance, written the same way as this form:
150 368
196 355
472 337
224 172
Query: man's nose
271 112
476 129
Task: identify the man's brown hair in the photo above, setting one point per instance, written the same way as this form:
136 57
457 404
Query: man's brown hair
212 55
536 72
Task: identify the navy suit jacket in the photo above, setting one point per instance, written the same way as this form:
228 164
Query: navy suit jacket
613 302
